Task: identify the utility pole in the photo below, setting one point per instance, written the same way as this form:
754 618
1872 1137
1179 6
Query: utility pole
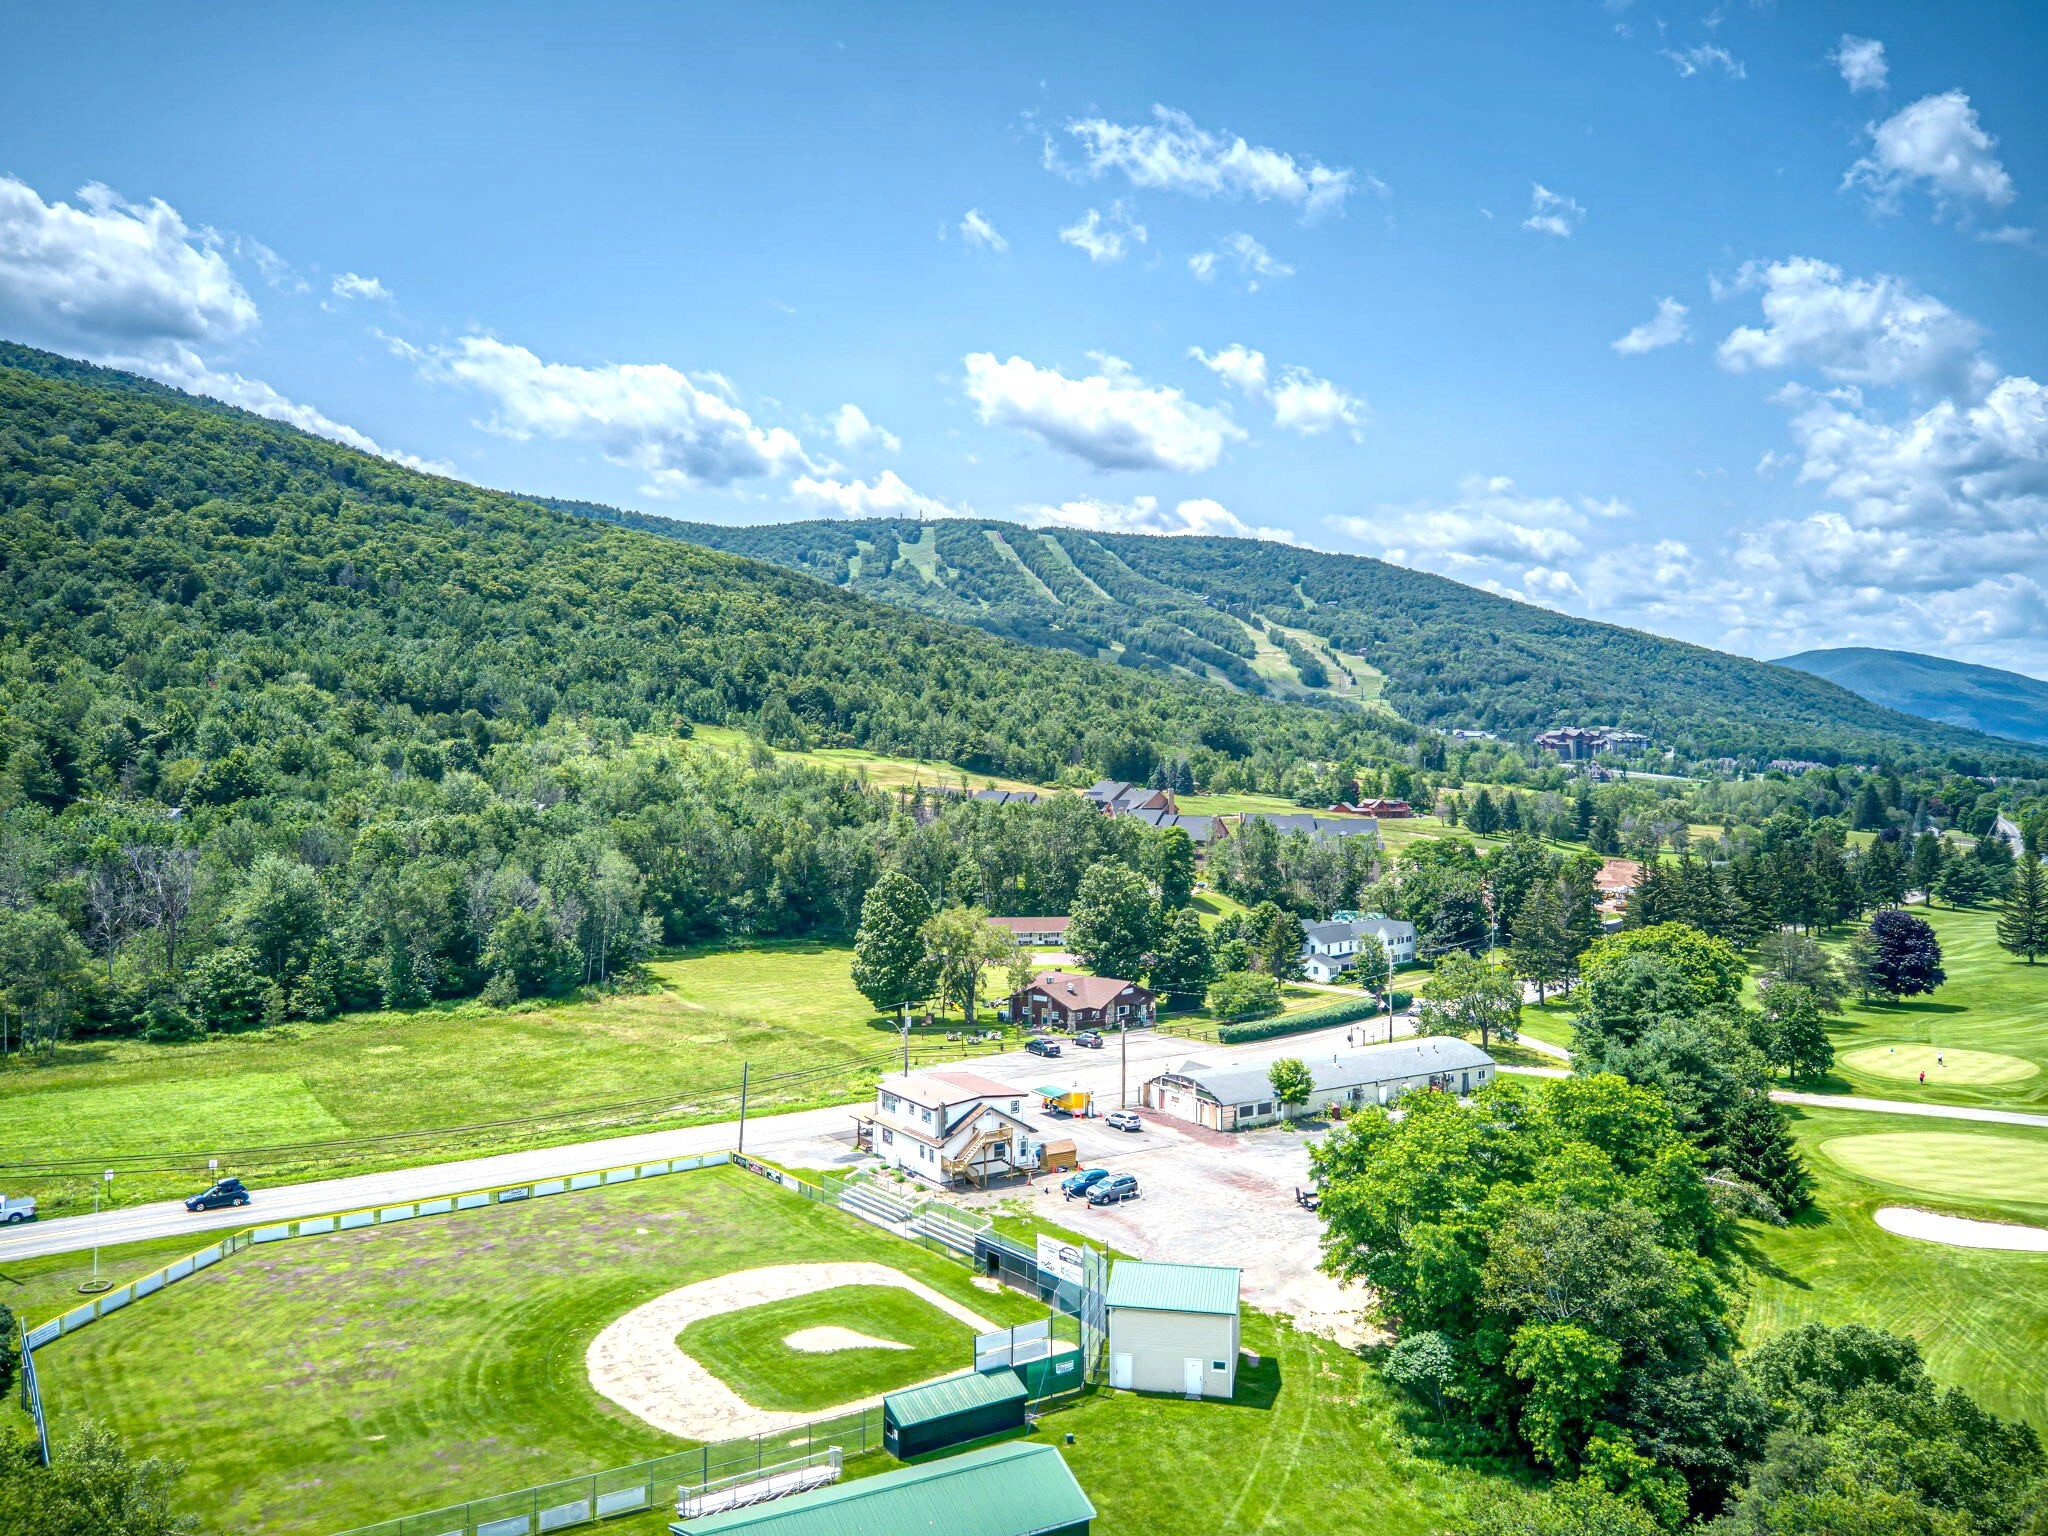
95 1285
1123 1069
743 1108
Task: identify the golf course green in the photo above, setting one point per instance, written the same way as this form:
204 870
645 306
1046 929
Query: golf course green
1964 1165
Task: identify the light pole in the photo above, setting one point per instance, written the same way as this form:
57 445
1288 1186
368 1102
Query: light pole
96 1284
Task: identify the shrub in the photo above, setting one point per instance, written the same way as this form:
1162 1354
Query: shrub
1348 1011
1244 995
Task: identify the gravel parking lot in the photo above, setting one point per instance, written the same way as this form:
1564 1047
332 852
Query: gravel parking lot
1210 1198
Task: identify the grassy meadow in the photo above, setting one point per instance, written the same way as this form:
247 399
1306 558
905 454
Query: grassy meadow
671 1052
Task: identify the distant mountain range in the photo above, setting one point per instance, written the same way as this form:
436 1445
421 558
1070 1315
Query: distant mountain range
2008 704
1340 630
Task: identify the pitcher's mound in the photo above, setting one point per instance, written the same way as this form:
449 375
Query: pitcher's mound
830 1340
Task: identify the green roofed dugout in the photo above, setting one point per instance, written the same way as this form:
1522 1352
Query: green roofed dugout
952 1412
1020 1489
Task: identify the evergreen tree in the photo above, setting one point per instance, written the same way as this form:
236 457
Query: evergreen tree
1905 959
1173 868
1484 816
1277 948
1965 883
2023 919
1796 1036
1869 814
1541 952
1929 855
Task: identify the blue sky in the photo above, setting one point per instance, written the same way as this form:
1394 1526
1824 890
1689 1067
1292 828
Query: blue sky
1725 323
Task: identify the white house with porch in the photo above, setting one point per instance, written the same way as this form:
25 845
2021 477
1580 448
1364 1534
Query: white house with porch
1330 949
950 1127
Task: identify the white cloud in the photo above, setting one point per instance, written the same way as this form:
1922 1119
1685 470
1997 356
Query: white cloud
1937 143
111 273
1237 365
1144 514
1879 330
133 286
1252 259
1111 419
1302 402
350 286
1171 154
1862 63
852 430
1936 538
976 230
1489 525
677 429
1705 59
1104 238
885 496
1665 328
1552 213
1307 405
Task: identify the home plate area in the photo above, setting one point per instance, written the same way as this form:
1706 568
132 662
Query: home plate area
763 1350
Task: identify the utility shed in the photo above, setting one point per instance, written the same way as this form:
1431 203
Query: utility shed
1173 1328
1019 1489
952 1412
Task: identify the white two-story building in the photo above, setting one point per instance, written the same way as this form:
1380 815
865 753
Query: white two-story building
950 1127
1329 949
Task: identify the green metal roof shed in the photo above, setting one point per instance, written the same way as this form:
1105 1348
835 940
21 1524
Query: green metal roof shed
1020 1489
951 1412
1173 1287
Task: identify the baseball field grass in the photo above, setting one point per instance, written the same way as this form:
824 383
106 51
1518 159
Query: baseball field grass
316 1385
750 1350
1981 1315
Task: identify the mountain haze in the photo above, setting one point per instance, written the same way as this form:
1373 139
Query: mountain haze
1988 699
1255 616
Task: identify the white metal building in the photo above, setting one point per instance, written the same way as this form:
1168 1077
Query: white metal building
1173 1328
1234 1096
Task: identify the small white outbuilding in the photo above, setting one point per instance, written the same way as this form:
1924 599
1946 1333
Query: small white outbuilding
1173 1328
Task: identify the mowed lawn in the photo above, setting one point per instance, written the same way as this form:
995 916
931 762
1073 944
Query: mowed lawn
1981 1315
1988 1023
778 1006
328 1382
749 1350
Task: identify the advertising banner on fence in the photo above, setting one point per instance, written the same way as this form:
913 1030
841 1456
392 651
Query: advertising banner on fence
1058 1260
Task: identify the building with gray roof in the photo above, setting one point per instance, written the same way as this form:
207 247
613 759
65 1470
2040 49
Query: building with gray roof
1232 1096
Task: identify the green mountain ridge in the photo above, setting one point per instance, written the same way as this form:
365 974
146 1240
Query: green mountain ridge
1962 693
1255 616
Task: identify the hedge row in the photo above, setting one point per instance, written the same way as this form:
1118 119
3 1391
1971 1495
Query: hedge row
1347 1012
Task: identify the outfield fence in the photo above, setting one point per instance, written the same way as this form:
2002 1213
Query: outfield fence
32 1394
97 1307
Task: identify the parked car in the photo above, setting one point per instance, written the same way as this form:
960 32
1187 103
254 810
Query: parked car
226 1192
1090 1039
14 1208
1116 1188
1038 1045
1083 1180
1123 1120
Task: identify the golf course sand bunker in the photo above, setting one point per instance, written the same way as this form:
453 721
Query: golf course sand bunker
636 1363
830 1340
1960 1069
1964 1165
1960 1231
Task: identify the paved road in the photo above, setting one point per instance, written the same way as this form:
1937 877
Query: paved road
1096 1071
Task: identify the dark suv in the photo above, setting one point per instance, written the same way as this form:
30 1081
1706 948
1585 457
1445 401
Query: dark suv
226 1192
1117 1187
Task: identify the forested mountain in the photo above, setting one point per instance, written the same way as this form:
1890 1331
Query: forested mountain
2008 704
285 728
1259 616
